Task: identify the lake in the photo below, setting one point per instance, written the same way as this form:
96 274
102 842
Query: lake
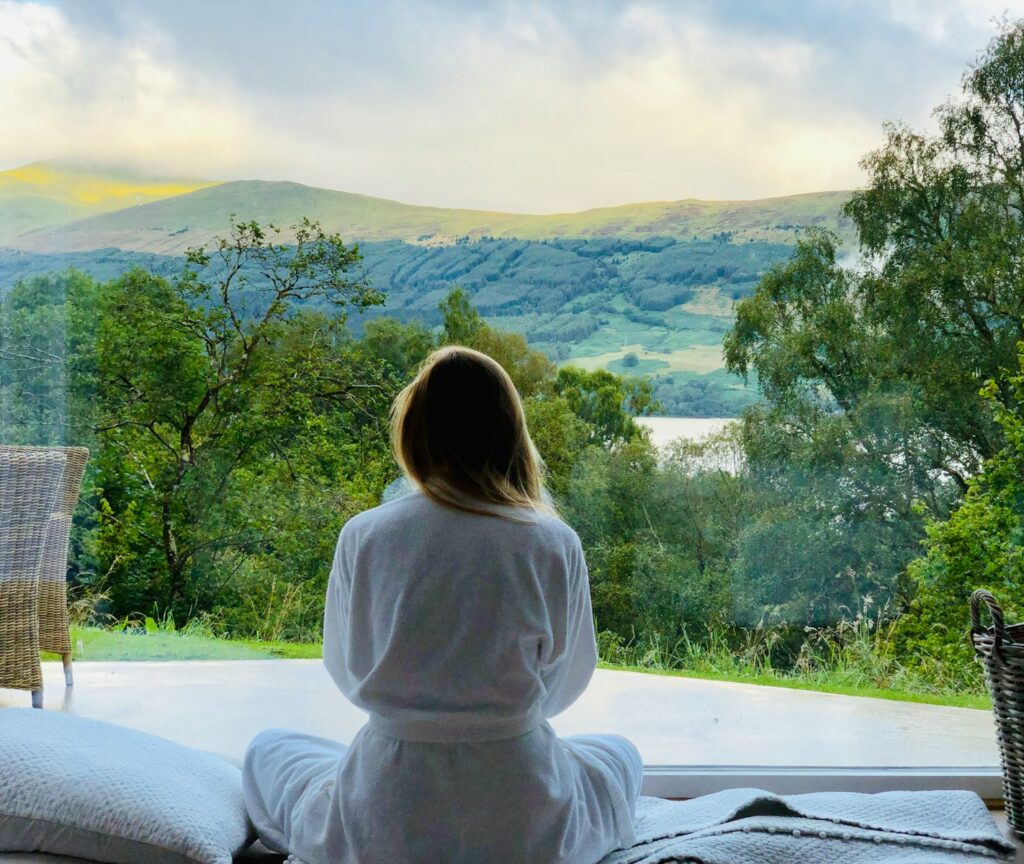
665 430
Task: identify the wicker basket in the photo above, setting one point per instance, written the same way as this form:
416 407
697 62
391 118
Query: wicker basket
1001 650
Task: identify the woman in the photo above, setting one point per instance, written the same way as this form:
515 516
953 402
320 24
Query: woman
459 617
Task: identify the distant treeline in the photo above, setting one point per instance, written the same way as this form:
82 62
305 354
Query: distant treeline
567 278
556 292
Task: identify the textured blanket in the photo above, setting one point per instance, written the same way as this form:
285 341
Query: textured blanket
751 826
741 826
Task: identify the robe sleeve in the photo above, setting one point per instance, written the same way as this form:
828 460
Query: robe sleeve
569 676
336 621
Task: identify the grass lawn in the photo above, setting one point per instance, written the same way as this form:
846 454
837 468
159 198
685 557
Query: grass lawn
94 644
91 643
818 685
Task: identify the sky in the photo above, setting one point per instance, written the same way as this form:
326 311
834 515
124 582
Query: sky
523 106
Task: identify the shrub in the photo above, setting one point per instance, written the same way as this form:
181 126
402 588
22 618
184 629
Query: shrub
980 546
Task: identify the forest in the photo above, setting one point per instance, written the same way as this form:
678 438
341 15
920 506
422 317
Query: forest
237 419
570 297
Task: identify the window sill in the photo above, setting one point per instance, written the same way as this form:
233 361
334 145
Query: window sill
667 781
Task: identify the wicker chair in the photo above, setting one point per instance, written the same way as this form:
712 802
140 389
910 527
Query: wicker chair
54 630
33 497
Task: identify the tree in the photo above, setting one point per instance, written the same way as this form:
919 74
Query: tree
462 323
401 345
47 359
207 385
980 546
560 436
871 374
660 536
529 369
606 402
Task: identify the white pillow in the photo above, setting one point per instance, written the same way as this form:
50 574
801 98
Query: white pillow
83 788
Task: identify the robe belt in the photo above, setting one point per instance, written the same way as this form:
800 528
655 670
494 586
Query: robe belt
453 728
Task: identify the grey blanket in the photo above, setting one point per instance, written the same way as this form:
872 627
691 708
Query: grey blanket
741 826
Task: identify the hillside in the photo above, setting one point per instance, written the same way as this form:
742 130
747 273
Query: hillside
171 225
641 289
46 194
591 302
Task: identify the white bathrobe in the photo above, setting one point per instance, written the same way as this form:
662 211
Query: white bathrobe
460 634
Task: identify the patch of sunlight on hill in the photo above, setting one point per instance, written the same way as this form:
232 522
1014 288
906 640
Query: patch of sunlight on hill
696 358
93 190
46 193
711 301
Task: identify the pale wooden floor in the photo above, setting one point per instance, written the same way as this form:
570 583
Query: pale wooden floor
673 721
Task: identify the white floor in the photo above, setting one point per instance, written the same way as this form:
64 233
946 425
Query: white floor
219 706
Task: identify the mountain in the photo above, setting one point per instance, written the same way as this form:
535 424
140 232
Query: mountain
171 225
47 194
643 288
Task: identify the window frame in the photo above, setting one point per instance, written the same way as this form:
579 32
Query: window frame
677 781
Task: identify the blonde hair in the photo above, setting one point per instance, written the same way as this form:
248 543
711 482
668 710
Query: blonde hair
459 433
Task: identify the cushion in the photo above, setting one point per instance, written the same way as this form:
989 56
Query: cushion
255 854
93 790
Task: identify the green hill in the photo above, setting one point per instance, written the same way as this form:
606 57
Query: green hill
641 288
587 301
170 225
46 194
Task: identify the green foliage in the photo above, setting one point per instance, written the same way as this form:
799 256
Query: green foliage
236 423
211 392
47 341
606 402
871 375
854 657
459 318
980 546
560 435
713 394
659 535
802 330
401 346
569 297
203 397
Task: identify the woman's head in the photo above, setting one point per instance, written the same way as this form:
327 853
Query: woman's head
459 433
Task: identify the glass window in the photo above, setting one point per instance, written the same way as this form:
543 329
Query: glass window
779 398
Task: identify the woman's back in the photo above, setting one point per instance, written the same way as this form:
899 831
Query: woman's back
451 619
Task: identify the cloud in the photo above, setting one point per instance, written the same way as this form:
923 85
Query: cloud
944 21
78 94
531 106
